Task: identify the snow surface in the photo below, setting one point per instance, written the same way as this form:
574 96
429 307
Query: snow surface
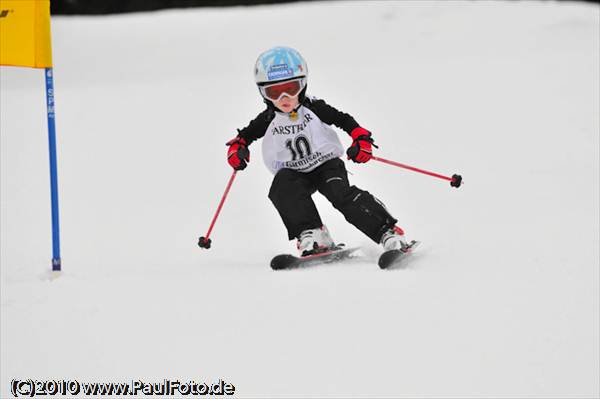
501 300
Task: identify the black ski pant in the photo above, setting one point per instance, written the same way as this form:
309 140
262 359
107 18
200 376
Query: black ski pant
291 193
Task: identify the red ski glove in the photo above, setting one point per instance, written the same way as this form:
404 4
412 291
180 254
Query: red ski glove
238 154
361 149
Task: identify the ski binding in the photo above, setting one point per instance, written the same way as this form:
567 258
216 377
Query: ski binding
336 254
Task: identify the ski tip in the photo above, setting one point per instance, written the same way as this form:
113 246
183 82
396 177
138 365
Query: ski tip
388 258
394 257
282 261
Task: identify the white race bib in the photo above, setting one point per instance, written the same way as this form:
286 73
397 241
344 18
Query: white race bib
301 144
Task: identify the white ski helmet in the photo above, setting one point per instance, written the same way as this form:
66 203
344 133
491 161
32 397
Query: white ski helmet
279 64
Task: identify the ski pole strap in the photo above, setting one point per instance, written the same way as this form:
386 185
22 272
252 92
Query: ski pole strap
455 180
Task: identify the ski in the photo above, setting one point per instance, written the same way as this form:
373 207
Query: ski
395 256
287 261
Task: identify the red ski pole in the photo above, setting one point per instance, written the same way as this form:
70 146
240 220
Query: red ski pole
455 180
204 242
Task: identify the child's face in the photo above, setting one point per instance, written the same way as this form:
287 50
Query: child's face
286 103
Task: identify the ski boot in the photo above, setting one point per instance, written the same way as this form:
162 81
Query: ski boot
314 241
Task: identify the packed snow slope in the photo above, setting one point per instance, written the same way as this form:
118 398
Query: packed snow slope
501 300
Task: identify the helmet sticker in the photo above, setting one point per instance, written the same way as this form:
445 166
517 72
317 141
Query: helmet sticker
280 71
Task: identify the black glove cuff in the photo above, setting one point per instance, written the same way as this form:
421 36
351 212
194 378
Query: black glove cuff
243 153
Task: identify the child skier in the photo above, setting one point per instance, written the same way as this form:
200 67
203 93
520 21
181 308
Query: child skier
303 153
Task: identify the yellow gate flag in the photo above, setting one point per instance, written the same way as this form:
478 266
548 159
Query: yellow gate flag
25 33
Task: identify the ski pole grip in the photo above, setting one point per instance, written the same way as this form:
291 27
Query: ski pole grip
352 152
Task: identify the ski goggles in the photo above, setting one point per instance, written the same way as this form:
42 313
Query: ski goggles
275 91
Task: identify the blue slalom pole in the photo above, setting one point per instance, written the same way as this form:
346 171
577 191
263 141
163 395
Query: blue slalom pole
53 170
